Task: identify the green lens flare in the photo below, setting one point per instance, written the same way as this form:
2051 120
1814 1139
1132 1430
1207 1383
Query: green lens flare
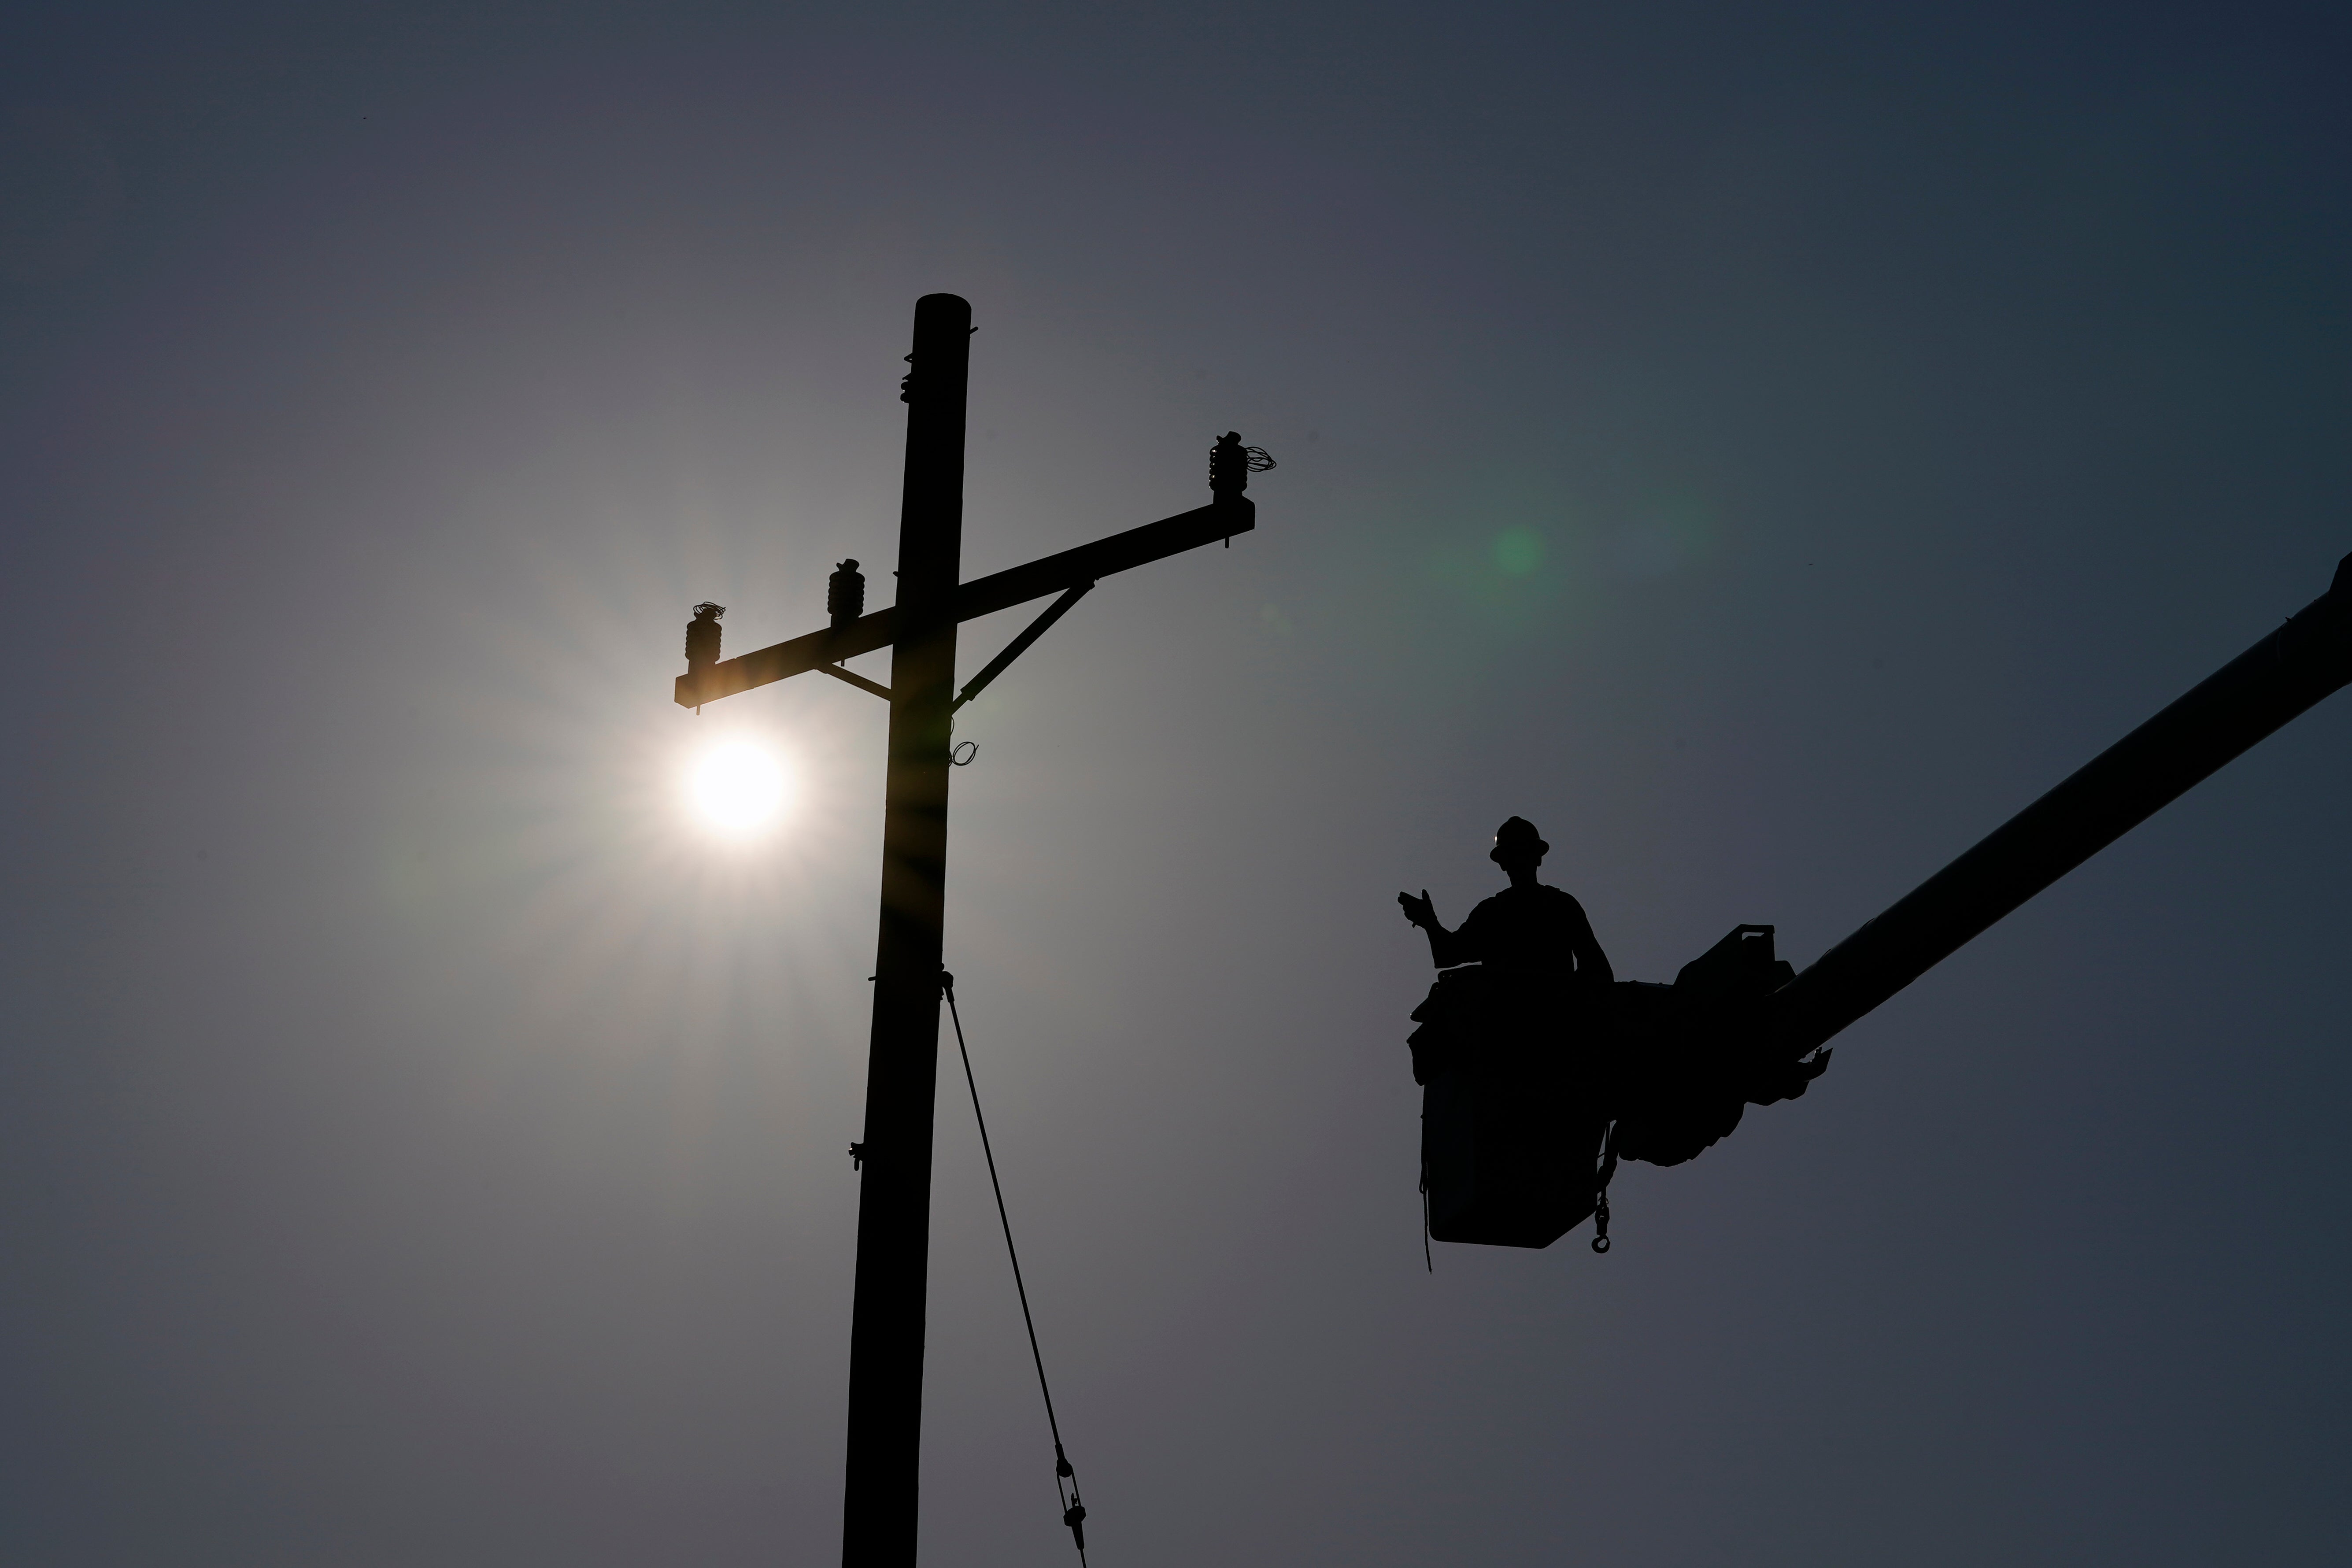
1518 551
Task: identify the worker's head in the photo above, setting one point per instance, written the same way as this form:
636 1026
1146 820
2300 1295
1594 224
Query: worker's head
1516 842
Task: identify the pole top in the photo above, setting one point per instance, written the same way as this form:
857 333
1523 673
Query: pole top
942 310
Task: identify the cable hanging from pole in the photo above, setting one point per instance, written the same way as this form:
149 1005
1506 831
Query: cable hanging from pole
1074 1512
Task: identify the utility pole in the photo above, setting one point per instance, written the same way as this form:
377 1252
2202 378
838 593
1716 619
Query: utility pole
894 1209
886 1336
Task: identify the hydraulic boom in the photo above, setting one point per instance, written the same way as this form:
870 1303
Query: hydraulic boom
2293 668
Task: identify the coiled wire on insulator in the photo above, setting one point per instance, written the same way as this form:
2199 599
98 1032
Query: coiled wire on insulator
844 595
1230 464
702 636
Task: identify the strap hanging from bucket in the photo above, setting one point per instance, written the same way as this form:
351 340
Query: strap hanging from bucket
1600 1198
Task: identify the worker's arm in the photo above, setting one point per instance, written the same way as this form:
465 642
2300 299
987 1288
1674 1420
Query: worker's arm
1591 964
1446 948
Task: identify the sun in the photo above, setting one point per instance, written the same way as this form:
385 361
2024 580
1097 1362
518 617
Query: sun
740 788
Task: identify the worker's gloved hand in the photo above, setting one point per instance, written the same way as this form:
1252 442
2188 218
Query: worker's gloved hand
1420 911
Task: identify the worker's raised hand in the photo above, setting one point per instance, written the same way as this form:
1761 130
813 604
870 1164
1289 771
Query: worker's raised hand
1420 910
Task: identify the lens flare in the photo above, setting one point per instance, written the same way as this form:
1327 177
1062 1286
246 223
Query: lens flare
1518 551
738 787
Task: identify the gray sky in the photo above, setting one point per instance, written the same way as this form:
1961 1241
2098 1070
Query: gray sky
1766 446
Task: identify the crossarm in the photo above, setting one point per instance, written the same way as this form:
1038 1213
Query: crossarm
982 596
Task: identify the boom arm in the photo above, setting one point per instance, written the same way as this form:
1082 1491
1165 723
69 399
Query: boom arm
2272 682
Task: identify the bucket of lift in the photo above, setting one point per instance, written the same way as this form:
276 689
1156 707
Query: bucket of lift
1518 1096
1510 1137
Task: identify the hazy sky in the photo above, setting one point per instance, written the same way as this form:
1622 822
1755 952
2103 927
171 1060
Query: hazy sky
1765 446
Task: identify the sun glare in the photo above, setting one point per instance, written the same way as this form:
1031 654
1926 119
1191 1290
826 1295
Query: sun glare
738 787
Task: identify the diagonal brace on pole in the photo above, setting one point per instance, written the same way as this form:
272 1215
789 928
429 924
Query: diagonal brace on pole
859 681
1020 645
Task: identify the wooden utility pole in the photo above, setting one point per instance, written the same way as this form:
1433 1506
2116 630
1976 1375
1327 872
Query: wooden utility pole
886 1335
894 1209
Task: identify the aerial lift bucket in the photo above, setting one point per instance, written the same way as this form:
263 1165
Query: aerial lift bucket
1513 1119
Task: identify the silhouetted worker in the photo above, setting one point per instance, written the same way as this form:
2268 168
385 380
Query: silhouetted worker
1519 1021
1528 936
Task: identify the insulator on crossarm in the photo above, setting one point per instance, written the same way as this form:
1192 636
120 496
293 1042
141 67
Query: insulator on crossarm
1228 466
702 636
844 595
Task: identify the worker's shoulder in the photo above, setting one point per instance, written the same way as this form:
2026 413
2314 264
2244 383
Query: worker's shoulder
1559 901
1540 901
